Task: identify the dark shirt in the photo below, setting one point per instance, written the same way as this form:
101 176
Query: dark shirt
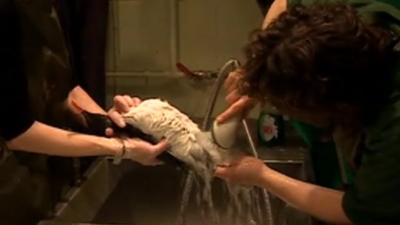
15 114
374 198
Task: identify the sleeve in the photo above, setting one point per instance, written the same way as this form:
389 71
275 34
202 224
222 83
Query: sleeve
375 195
15 114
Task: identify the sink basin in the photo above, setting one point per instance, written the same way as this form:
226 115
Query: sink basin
136 195
133 194
152 196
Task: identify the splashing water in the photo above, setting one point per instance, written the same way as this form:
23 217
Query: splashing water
240 206
189 144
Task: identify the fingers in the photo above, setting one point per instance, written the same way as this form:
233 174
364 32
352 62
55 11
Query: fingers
228 113
236 108
160 147
132 101
148 152
109 132
238 103
157 150
221 171
117 118
123 103
129 100
232 97
231 80
136 101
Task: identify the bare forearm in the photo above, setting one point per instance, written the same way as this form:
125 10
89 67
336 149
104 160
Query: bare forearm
40 138
322 203
277 7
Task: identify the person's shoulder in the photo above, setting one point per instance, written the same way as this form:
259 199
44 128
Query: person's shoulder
379 165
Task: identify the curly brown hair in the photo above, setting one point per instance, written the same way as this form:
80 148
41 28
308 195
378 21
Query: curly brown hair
319 56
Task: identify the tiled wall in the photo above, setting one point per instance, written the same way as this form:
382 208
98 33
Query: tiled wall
148 37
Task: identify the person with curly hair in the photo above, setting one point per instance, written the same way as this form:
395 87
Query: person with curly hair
335 65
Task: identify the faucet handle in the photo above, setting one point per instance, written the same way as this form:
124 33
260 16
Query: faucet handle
186 71
197 75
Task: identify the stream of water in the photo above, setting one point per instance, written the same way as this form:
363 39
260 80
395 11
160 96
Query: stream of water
240 206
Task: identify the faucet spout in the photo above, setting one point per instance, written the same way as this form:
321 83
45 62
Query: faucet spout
223 73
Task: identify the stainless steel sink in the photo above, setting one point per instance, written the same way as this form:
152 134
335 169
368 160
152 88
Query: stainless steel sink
133 194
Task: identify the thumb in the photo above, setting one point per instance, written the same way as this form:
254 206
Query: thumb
117 118
236 108
160 146
228 113
221 172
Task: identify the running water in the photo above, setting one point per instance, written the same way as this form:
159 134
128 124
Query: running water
242 206
250 206
196 149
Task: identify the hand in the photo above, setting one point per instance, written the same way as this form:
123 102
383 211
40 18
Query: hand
238 104
144 152
122 104
246 171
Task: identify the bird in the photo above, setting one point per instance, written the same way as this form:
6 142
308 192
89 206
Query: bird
188 143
